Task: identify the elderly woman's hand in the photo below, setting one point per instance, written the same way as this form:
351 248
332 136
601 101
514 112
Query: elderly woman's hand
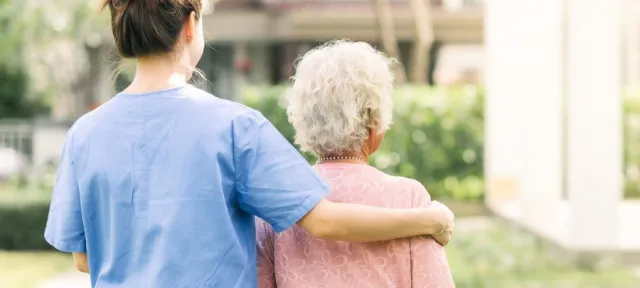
445 217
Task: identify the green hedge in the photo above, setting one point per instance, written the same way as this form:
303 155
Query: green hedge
23 217
436 136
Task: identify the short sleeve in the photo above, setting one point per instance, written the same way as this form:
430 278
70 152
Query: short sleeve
64 229
273 181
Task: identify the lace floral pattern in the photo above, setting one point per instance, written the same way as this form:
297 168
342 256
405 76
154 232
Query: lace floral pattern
295 259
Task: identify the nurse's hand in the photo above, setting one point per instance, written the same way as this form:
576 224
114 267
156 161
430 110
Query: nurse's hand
81 262
445 217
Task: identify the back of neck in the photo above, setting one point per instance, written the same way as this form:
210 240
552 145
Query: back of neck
157 74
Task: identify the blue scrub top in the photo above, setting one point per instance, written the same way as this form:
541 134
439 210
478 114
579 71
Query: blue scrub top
161 189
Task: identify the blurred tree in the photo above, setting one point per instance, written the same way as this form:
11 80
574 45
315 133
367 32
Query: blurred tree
421 10
58 44
13 87
13 75
388 35
11 27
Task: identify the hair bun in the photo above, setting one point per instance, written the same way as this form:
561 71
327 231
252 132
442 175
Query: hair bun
148 27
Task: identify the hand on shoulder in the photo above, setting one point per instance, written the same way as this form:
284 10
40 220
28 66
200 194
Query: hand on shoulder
445 219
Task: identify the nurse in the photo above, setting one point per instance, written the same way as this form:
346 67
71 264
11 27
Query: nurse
159 186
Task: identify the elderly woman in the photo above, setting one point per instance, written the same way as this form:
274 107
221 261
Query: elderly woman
340 106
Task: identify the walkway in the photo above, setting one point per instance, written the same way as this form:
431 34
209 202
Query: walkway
68 280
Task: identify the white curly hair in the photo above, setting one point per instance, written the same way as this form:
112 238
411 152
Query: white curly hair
340 91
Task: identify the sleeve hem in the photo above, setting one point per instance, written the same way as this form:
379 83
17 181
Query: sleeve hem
314 197
66 246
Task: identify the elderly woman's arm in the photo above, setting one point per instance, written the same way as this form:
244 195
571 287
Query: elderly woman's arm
361 223
429 265
266 266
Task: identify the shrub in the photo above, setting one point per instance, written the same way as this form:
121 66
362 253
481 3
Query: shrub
436 137
24 208
23 217
14 102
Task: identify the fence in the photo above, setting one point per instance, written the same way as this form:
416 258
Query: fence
38 141
18 136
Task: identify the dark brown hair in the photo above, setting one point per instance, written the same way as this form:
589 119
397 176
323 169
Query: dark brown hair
149 27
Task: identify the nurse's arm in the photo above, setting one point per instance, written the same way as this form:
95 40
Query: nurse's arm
80 259
361 223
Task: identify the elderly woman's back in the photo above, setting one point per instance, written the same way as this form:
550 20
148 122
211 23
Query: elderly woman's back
340 107
295 259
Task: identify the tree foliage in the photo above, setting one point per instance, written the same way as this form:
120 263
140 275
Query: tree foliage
43 50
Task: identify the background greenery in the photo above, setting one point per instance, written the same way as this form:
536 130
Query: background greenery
23 217
631 126
486 253
13 88
436 136
47 49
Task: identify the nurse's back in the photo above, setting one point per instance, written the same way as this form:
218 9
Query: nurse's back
158 187
156 180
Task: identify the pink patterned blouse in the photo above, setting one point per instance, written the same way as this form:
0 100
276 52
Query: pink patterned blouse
293 259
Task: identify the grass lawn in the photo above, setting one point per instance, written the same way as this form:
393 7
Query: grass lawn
487 253
27 269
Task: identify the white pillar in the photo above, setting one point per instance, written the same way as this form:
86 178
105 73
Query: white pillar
631 61
540 90
503 59
524 104
595 136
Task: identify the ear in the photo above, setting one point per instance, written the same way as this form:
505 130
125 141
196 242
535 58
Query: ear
190 27
373 127
372 131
